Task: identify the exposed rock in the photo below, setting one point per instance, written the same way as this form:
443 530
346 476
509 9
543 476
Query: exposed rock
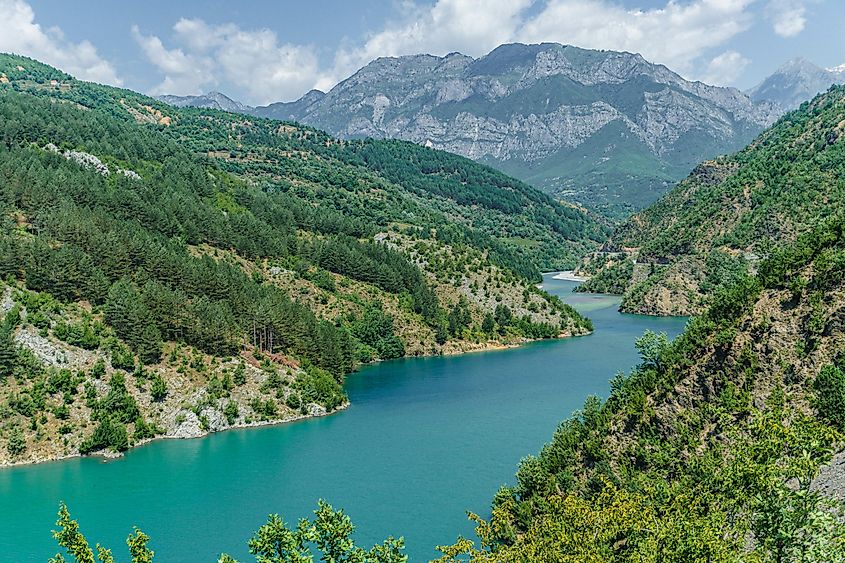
52 353
313 409
831 478
87 160
187 426
212 100
129 174
7 303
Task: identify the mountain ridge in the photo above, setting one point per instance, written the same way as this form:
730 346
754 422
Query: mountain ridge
796 81
606 129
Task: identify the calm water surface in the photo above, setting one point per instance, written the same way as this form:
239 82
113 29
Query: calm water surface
424 441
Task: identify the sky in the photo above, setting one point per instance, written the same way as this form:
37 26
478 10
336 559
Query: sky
262 51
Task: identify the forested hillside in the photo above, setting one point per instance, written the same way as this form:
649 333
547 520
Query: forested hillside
710 450
184 263
718 223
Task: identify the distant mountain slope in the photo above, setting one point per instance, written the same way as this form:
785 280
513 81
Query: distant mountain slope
606 129
728 214
796 82
212 100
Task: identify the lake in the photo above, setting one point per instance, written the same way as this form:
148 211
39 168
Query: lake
425 440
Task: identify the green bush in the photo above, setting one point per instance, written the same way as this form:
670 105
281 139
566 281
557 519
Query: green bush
829 399
122 357
17 443
231 412
108 434
158 389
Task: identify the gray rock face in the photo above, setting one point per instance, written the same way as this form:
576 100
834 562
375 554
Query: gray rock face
607 129
212 100
795 82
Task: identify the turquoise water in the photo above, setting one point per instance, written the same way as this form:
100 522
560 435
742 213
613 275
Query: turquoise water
424 441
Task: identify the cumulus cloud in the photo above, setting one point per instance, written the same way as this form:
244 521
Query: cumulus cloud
469 27
725 68
254 61
684 35
788 17
22 35
675 35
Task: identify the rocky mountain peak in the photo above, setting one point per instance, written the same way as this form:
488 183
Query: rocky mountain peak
211 100
796 81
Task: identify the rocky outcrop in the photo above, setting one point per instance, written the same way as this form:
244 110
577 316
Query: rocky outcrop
212 100
91 162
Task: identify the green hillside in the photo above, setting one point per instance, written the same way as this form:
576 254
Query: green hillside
728 214
712 448
723 445
206 270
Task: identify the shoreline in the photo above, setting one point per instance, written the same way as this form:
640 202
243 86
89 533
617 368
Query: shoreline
489 346
106 456
569 275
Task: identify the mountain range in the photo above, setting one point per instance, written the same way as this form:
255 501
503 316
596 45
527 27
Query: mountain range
608 130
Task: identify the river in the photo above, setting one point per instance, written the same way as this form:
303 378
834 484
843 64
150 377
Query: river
424 440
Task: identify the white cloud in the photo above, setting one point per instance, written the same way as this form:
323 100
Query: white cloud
788 17
467 26
253 61
261 68
725 68
675 35
184 73
21 35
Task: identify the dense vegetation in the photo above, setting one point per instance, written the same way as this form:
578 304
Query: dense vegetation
708 449
125 242
732 212
362 186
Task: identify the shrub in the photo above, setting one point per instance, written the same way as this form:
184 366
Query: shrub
108 434
829 399
231 412
17 443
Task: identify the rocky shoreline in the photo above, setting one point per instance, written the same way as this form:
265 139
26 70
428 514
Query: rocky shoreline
106 455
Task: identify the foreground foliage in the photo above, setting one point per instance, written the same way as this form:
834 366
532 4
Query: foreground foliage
327 536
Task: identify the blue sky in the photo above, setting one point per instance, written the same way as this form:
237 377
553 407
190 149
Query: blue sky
259 51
